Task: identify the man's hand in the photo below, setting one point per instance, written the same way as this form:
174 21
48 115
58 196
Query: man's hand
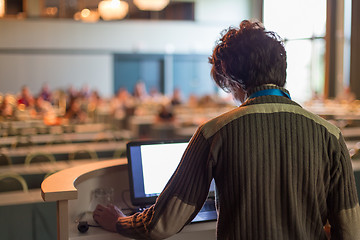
107 217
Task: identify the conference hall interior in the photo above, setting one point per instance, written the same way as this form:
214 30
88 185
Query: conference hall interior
79 79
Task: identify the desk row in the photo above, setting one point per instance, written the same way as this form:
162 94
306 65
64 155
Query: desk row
72 151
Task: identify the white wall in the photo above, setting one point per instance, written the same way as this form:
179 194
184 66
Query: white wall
59 71
229 12
65 52
123 36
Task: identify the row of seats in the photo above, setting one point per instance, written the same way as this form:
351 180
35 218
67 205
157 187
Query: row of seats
14 182
57 129
55 139
39 157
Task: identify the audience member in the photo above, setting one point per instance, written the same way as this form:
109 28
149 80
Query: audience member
140 92
6 108
84 92
193 101
95 99
156 96
207 101
93 103
71 93
25 97
45 93
176 98
347 96
74 113
122 104
42 107
165 114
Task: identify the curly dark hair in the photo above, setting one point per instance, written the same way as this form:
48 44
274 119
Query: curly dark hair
247 57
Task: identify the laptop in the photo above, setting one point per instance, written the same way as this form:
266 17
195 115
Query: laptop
151 163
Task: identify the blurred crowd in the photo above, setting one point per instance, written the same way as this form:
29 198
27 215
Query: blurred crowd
79 105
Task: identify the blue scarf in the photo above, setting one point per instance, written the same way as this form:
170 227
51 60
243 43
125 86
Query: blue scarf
266 92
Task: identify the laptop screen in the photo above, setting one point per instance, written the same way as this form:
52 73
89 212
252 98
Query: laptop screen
151 164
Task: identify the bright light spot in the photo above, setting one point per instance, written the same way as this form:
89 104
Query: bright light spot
115 3
113 10
2 8
299 21
151 5
85 13
51 11
295 19
77 16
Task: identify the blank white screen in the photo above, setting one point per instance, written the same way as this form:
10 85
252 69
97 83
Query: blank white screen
159 162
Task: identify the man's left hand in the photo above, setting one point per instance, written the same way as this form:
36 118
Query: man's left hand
107 217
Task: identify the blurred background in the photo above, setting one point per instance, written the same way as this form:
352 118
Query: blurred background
112 44
81 78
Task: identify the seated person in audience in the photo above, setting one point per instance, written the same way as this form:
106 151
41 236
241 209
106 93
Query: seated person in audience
193 101
71 93
42 107
140 93
347 96
156 96
94 100
6 108
45 93
25 97
74 113
280 171
165 114
84 92
122 105
207 101
176 98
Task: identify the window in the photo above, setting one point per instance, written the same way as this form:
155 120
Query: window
302 24
164 73
192 75
131 69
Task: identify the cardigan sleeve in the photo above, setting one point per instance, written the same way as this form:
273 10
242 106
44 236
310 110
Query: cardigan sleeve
343 202
181 199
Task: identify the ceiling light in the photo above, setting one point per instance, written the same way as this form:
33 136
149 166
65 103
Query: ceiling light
113 9
2 8
151 5
51 11
87 15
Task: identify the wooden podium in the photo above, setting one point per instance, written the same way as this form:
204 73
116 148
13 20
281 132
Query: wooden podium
72 190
